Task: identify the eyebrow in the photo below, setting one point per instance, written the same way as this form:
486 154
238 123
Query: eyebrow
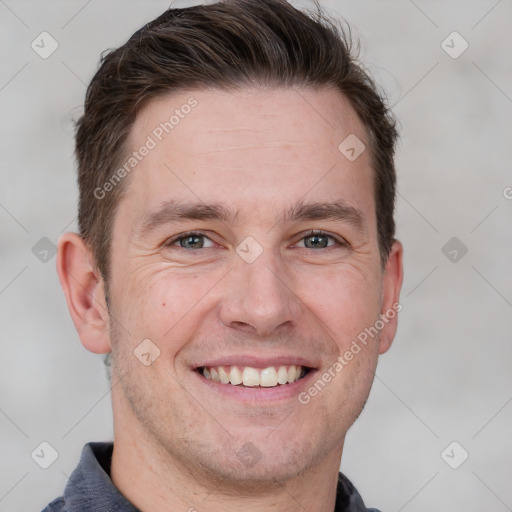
337 211
175 211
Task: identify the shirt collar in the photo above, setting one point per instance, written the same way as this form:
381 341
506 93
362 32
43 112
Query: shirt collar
90 487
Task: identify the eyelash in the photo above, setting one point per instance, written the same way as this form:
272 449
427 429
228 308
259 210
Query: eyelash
172 241
315 232
319 232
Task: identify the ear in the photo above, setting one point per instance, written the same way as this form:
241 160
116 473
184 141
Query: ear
391 286
84 290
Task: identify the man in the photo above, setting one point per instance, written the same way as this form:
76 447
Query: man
236 259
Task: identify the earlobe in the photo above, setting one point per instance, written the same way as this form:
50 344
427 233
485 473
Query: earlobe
391 286
84 291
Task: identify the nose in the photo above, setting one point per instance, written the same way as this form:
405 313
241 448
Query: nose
259 297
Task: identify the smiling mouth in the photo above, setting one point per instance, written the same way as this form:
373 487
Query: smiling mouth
247 376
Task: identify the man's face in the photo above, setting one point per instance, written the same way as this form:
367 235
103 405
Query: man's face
246 240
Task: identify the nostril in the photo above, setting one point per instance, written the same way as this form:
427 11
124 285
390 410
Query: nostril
244 327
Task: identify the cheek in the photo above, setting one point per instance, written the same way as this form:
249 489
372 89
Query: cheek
346 304
159 305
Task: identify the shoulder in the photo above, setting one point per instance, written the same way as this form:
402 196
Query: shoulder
57 505
348 498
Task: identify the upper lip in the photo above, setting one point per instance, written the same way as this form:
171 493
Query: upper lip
257 362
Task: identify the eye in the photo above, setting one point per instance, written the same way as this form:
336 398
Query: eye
191 241
318 240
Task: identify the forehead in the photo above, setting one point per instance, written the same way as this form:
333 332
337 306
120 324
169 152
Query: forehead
248 149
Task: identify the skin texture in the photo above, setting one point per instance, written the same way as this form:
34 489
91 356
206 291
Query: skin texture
178 437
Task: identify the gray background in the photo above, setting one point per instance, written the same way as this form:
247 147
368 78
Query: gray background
447 378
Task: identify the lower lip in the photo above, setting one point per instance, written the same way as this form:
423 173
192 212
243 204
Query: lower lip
257 394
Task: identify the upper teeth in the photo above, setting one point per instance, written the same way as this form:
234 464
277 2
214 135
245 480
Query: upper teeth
248 376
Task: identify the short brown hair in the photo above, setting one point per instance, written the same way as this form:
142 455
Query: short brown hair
225 45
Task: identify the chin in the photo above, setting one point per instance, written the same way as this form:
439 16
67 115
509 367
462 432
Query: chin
253 465
264 470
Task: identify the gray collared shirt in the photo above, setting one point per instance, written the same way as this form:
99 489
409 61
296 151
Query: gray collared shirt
90 488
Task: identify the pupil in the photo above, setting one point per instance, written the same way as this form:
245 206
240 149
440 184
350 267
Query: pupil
314 241
192 242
